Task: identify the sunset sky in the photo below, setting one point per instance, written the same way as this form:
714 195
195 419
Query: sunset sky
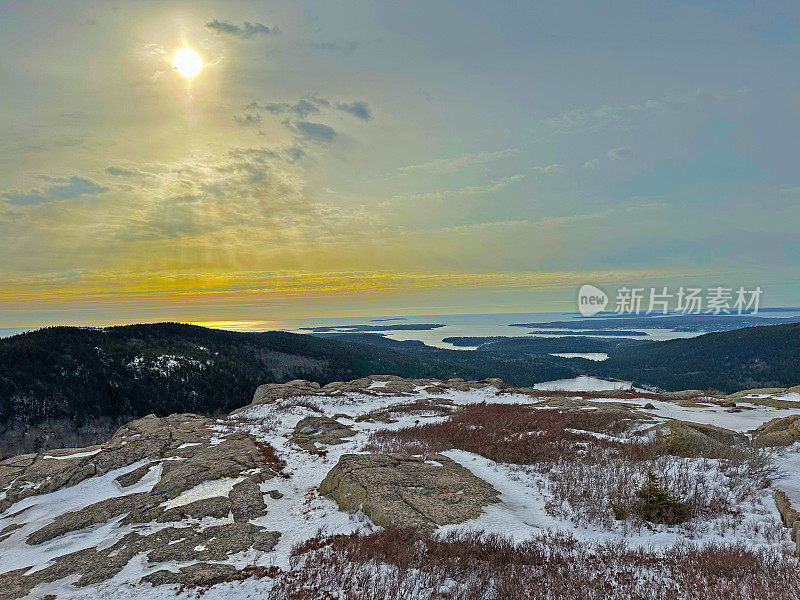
379 158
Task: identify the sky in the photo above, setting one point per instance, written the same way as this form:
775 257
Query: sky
387 158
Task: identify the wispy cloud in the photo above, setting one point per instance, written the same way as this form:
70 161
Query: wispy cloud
58 188
450 165
461 192
548 169
244 32
247 120
581 120
592 163
345 47
302 108
620 153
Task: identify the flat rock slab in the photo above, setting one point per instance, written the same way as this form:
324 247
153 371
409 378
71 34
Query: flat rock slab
191 575
178 544
408 491
149 437
231 458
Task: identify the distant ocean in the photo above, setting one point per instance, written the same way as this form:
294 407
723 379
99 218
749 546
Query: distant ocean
488 325
500 324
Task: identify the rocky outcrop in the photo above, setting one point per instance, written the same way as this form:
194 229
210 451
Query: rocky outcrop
765 392
183 447
684 395
425 406
99 512
311 431
178 544
6 531
191 575
378 385
217 507
150 437
231 458
782 431
395 489
790 517
697 439
269 392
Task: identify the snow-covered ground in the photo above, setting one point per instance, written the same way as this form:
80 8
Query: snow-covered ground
302 513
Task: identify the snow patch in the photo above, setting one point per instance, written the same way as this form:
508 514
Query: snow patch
207 489
75 455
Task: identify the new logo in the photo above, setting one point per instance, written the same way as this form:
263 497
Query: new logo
591 300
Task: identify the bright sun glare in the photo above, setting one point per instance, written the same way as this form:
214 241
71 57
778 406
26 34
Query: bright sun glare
187 62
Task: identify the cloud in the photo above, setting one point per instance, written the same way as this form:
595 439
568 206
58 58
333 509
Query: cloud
120 171
60 188
614 154
247 120
580 120
207 194
246 31
273 107
455 193
336 47
358 109
451 165
592 164
302 107
305 108
316 131
548 169
620 153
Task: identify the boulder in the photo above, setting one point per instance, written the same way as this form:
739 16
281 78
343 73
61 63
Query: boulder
788 514
311 431
782 431
357 385
269 392
397 489
697 438
247 501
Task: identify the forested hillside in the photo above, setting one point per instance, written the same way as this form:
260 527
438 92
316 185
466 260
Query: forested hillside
753 357
75 382
68 385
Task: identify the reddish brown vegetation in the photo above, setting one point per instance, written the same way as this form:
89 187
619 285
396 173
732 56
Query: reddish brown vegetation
587 470
272 458
510 433
402 563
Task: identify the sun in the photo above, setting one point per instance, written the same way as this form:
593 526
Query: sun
187 62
